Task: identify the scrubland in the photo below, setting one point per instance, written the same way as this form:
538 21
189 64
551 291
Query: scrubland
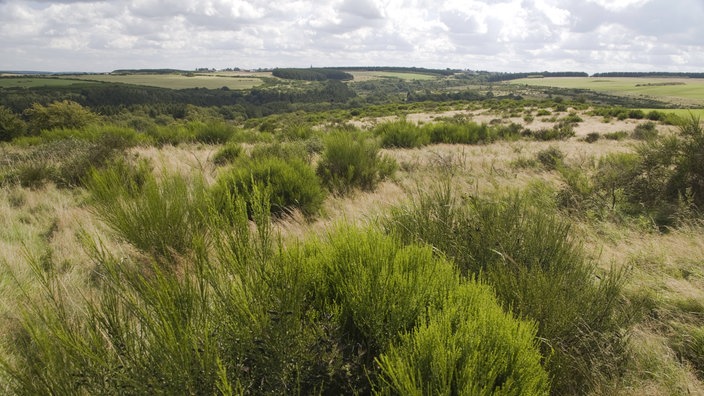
472 250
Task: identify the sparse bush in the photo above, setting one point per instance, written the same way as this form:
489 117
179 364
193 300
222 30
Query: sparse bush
292 184
645 131
559 131
618 135
348 163
551 158
592 137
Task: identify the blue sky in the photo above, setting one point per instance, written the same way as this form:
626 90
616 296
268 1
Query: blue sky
497 35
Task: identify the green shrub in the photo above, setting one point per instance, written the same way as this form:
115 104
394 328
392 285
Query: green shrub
401 134
161 217
292 184
211 132
592 137
531 259
559 131
284 150
458 133
467 347
551 158
645 131
57 115
618 135
348 163
228 154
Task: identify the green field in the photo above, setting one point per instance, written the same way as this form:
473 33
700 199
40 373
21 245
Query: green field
374 75
676 90
177 81
32 82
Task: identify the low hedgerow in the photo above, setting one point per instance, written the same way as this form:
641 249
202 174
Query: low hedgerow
293 184
536 267
349 162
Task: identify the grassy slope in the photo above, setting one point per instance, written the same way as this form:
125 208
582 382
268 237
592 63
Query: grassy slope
686 91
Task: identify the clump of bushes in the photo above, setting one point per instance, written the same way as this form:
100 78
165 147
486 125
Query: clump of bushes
645 131
227 154
401 134
530 258
292 183
355 312
560 131
349 162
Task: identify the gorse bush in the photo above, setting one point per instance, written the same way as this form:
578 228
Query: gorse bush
292 184
348 163
65 114
645 131
211 132
11 125
247 316
530 258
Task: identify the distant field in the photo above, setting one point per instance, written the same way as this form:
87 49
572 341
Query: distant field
681 112
178 81
373 75
676 90
31 82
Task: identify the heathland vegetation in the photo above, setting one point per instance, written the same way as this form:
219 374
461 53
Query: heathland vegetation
437 235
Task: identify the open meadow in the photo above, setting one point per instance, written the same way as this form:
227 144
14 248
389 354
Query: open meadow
501 245
685 91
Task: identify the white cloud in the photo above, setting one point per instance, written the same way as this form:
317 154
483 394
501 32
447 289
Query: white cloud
509 35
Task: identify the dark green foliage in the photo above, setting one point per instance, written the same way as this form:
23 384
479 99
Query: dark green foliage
312 74
292 184
530 258
11 125
401 134
592 137
348 163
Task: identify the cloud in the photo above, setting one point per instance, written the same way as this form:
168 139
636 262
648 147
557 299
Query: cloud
507 35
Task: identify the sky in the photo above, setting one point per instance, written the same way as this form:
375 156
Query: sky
495 35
